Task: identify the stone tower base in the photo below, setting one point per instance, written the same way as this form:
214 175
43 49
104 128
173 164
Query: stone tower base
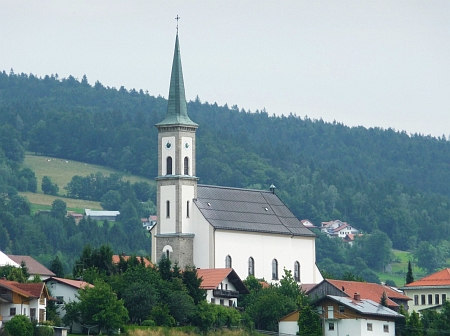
179 245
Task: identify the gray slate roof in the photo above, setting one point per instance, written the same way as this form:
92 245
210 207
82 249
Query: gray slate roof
247 210
365 307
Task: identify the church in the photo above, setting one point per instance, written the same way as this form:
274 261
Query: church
251 231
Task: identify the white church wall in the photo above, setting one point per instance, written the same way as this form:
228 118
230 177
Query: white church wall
203 241
263 248
167 224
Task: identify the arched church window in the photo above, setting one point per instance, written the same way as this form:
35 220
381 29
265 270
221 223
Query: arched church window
274 269
167 254
297 271
168 209
186 166
251 266
228 262
169 165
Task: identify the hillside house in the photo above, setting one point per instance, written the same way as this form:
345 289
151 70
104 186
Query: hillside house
223 286
338 228
110 216
5 260
429 292
29 299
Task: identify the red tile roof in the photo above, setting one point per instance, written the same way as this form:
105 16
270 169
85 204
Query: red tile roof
73 283
212 277
116 260
15 287
441 278
34 267
35 289
369 291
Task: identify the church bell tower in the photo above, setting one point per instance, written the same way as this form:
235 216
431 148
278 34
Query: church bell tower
176 180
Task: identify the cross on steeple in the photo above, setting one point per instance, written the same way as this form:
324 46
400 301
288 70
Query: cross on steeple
177 18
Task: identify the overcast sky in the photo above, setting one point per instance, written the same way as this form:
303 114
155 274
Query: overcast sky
370 63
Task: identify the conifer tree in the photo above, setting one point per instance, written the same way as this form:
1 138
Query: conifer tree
383 300
409 274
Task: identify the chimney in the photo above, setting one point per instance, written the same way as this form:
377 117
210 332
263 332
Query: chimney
357 296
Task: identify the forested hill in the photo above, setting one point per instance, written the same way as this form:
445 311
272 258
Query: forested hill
372 178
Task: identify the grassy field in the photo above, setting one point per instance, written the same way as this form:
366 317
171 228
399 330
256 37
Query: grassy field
44 202
400 267
61 171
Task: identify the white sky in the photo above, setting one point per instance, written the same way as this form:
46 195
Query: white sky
370 63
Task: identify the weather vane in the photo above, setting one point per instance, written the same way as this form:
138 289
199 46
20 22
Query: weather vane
177 18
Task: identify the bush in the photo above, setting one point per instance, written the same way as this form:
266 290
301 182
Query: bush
43 331
19 325
148 323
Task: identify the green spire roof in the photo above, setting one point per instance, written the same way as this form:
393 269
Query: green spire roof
177 108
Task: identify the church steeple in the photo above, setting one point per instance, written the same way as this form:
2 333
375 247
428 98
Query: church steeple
177 108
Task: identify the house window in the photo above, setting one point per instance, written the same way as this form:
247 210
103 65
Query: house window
436 299
25 311
386 328
213 300
422 299
444 297
430 299
331 326
221 302
416 300
297 271
341 309
12 311
187 209
59 299
330 312
230 303
251 266
186 166
228 261
3 291
167 209
169 165
369 326
274 269
33 313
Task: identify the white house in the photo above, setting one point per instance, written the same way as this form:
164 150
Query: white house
338 228
223 286
251 231
5 260
355 316
29 299
429 292
288 325
65 290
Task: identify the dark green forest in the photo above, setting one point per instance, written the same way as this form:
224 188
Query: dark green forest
375 179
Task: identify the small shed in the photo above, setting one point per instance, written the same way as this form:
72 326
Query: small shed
288 325
59 331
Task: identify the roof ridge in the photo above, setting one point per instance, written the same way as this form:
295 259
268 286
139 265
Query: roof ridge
234 188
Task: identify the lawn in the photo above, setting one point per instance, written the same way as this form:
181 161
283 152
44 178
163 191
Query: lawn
44 202
61 171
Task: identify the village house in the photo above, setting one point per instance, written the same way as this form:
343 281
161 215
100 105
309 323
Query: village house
223 286
64 291
29 299
429 292
366 290
34 267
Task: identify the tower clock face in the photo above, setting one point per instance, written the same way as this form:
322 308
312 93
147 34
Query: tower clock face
186 145
168 145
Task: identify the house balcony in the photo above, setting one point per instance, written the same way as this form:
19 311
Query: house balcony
225 293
